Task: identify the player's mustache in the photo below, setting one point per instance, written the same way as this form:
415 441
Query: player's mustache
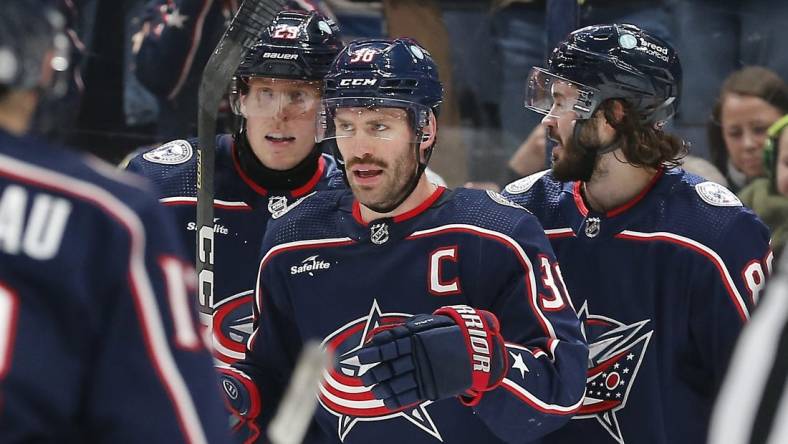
367 159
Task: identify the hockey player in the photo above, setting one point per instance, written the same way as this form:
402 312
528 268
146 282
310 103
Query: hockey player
98 338
664 266
268 165
444 310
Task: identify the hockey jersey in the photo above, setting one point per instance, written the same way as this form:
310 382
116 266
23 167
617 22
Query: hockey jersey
98 336
663 285
242 210
326 274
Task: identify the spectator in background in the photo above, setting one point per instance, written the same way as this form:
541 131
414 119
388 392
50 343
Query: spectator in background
768 196
715 38
751 99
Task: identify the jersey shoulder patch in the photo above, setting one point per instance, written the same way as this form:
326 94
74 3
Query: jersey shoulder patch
496 197
171 153
522 185
715 194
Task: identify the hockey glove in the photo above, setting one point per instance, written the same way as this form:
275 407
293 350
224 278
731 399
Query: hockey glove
457 351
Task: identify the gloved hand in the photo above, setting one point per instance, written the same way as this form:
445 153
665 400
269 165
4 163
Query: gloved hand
458 350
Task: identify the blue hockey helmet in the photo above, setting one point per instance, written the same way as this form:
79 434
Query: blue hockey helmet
617 61
297 45
381 73
30 29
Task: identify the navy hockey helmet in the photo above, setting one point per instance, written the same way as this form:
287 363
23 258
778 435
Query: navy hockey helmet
30 29
617 61
381 73
297 45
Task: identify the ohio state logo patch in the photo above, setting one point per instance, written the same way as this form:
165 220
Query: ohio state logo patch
616 351
522 185
171 153
715 194
344 395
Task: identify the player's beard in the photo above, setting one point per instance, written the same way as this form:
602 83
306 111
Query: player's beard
395 187
579 154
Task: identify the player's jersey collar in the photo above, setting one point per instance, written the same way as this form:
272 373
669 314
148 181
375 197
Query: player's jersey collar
404 216
299 181
584 210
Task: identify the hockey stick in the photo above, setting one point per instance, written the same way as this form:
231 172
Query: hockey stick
295 411
247 25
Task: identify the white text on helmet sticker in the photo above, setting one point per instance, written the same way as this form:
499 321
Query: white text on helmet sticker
358 82
279 55
285 32
363 55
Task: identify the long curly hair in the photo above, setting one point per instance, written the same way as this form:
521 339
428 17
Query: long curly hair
642 144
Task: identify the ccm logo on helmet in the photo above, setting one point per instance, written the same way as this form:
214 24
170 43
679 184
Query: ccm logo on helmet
358 82
279 55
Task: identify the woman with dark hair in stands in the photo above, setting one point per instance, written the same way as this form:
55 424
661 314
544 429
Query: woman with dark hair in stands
751 99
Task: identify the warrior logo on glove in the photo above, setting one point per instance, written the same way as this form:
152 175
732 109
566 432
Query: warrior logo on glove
342 391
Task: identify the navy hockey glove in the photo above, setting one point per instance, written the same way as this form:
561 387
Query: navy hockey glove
457 351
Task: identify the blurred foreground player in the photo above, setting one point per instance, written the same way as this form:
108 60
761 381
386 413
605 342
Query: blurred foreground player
444 309
98 337
663 265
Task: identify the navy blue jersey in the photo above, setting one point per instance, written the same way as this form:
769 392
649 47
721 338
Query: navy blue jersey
663 284
242 210
326 274
98 335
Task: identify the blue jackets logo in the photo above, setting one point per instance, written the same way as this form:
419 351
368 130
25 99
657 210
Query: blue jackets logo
616 351
310 264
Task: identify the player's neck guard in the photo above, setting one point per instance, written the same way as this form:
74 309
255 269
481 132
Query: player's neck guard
291 179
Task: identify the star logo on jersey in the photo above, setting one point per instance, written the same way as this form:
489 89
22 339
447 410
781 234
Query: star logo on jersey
380 233
344 395
232 326
616 351
176 19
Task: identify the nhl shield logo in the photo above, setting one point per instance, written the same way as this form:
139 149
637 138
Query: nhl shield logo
277 204
380 233
616 351
593 226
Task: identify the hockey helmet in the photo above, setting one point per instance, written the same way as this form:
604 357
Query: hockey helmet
28 31
380 73
603 62
297 48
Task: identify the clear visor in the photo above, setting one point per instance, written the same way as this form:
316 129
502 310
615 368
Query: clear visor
364 117
554 96
266 97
